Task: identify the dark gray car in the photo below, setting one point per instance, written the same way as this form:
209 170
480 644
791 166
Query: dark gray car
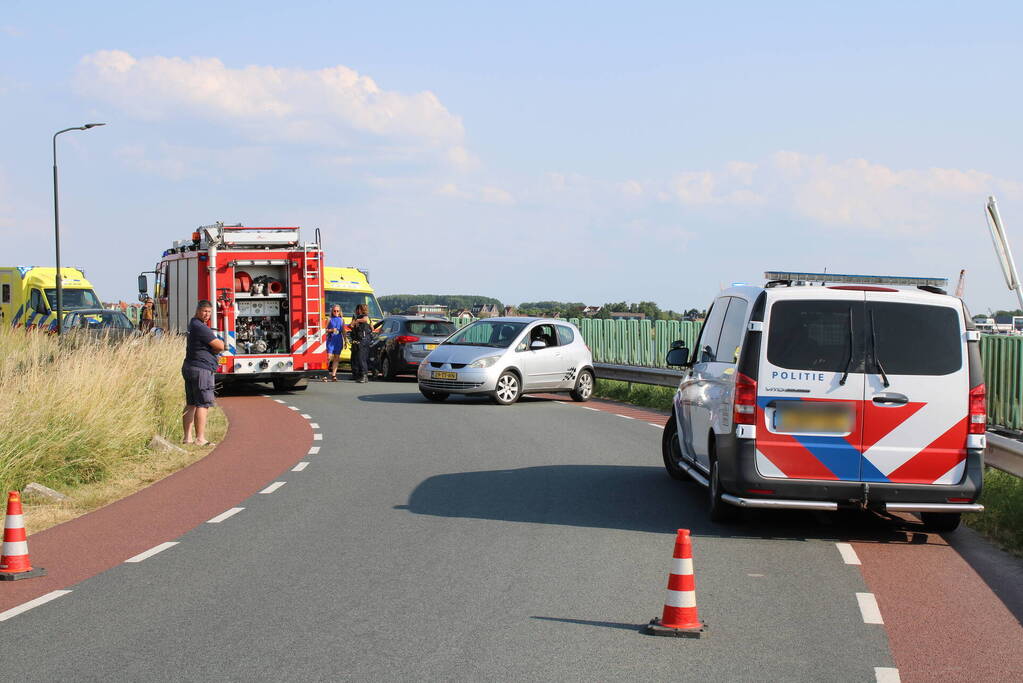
403 341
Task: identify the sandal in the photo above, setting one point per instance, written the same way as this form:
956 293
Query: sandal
204 444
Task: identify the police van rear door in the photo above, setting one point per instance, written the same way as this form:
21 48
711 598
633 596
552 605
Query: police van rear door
810 385
916 398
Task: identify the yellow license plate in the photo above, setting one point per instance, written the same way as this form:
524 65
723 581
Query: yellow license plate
443 375
431 347
814 421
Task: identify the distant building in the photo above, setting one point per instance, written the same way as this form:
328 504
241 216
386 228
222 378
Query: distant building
510 311
625 315
486 310
464 315
428 309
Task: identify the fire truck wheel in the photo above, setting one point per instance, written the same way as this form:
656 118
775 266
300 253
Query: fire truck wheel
290 385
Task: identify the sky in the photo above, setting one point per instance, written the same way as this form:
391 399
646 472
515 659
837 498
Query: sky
575 151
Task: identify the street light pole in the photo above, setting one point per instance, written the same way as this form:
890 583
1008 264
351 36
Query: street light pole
56 225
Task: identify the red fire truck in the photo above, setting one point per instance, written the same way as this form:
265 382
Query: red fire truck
266 285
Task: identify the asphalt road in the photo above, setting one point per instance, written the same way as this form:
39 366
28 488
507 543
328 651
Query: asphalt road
461 541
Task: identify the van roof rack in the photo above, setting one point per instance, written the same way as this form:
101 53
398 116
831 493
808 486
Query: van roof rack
781 277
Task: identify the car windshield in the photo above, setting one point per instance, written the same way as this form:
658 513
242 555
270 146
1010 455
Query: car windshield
494 334
73 299
349 300
104 319
430 328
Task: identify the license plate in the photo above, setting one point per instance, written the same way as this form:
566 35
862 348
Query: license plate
813 419
431 347
443 375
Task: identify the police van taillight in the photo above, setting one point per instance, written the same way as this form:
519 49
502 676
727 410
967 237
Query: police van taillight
745 400
978 410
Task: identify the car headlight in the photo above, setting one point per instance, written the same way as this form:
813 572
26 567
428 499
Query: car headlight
484 362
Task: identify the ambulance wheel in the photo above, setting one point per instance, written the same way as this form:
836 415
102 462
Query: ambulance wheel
671 453
436 396
941 521
290 385
720 511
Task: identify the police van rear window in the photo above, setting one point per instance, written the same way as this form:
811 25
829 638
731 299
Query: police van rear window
815 335
916 339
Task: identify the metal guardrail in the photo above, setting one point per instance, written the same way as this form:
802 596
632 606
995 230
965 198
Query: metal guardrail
1002 452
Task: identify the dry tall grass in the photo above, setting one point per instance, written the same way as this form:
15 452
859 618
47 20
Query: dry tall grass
76 410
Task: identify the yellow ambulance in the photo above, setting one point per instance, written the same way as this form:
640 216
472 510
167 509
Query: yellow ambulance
28 295
349 287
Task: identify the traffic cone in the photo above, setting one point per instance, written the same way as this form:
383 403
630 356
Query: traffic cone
14 562
680 618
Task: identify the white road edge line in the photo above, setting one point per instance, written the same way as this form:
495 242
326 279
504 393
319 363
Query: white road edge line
293 408
596 409
311 424
313 450
300 466
654 424
308 417
869 609
273 487
152 551
886 674
26 606
224 515
848 553
625 416
317 437
277 400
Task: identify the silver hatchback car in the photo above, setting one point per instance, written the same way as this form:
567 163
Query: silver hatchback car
508 357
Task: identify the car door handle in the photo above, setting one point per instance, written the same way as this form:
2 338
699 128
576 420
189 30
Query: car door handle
891 399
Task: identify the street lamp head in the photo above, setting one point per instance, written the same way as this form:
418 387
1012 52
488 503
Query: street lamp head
92 125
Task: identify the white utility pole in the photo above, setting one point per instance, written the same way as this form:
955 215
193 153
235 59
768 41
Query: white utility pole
1003 250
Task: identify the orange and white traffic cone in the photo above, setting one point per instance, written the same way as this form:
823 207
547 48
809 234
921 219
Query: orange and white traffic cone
680 618
14 562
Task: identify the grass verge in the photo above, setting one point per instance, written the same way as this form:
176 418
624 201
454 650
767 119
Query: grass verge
644 395
1002 519
78 413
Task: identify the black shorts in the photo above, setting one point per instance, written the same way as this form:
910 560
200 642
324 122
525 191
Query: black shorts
198 386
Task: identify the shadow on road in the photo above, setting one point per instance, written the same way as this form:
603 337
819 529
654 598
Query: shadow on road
414 396
634 499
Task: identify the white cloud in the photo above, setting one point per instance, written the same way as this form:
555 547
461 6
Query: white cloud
333 106
495 195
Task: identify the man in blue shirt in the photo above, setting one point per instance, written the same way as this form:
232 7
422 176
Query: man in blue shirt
197 371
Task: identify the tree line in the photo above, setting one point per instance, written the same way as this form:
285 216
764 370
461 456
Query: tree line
399 303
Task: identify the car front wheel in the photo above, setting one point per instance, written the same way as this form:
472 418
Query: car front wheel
508 389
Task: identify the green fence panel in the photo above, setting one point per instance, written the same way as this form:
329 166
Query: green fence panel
1002 358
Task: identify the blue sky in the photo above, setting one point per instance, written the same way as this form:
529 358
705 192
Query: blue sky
587 152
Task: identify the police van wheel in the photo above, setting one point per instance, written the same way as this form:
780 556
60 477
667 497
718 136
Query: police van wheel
941 521
670 451
720 511
437 396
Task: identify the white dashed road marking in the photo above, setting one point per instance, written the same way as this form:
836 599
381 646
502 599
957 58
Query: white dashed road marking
886 674
278 400
625 416
152 551
595 409
24 607
652 424
292 407
848 553
317 437
273 487
312 451
300 466
308 417
311 424
869 609
224 515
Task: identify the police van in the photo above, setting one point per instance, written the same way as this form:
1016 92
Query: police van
821 391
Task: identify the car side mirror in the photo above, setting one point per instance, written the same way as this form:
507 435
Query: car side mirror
143 287
537 344
678 344
678 357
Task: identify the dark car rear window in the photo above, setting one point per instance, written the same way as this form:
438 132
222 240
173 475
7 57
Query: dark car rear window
915 339
430 328
815 335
